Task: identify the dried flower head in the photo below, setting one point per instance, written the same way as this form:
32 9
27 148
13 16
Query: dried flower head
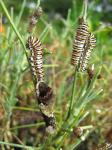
44 93
50 124
34 19
46 105
78 131
90 73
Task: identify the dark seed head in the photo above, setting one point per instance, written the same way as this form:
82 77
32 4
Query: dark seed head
50 121
90 73
50 124
100 76
45 93
78 131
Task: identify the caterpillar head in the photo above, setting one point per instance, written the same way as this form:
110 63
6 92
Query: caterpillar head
32 42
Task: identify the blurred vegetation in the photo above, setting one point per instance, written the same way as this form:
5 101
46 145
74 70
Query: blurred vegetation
102 8
20 121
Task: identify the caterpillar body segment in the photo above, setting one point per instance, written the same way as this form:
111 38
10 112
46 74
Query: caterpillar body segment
79 41
36 57
89 45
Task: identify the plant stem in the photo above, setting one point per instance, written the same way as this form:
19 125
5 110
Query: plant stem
17 33
13 25
85 9
28 126
19 146
38 3
21 12
25 109
73 93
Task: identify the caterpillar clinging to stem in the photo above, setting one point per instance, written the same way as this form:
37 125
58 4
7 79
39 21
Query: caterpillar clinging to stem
79 41
36 57
44 93
83 44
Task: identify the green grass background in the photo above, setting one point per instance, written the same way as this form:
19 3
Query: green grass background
17 96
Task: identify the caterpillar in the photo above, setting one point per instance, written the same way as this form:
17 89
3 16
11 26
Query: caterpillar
79 41
34 19
44 93
88 47
36 59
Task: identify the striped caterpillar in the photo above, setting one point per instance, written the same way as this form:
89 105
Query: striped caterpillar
90 44
78 44
43 91
36 60
83 44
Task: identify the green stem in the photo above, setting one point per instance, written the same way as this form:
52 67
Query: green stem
73 93
84 10
13 25
21 12
17 33
18 145
28 126
25 109
38 3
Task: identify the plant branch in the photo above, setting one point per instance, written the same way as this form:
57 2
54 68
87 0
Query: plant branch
38 3
84 10
18 145
17 33
13 25
73 93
